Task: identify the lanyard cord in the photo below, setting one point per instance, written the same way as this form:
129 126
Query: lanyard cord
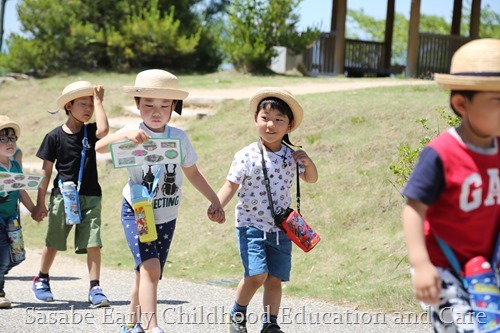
267 182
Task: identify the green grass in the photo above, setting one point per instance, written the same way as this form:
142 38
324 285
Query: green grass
353 137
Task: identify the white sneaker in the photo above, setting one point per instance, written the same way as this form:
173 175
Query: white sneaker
157 330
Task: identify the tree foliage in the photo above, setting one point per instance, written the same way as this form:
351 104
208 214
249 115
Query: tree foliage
253 27
112 34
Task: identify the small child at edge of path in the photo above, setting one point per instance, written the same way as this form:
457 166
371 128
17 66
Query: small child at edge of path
9 201
157 95
63 146
265 250
453 191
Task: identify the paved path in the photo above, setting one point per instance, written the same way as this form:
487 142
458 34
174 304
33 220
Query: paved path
184 307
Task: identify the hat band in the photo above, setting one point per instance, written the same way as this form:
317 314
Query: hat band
477 74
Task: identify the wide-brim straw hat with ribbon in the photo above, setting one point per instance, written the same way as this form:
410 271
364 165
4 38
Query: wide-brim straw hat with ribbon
474 66
75 90
157 83
282 94
5 122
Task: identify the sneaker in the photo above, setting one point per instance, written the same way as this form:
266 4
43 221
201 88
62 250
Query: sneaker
137 328
157 330
271 328
4 303
97 299
237 324
41 290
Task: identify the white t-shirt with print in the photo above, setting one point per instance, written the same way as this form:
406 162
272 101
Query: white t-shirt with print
252 208
168 193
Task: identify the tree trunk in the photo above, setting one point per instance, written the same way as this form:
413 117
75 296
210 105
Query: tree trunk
2 17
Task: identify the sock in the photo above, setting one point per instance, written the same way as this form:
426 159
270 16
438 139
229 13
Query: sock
239 309
271 319
43 275
94 283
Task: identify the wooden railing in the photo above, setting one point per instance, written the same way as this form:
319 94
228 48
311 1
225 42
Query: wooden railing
435 52
318 59
361 57
364 57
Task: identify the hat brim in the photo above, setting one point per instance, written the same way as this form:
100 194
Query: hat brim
156 92
468 82
287 98
74 94
13 125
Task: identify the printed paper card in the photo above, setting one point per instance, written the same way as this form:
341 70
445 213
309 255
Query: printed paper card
10 181
127 154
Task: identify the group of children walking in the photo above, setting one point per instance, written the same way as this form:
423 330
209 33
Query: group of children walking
72 148
453 193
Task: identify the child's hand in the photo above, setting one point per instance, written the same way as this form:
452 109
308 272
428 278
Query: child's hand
216 214
301 156
98 94
426 283
39 213
137 136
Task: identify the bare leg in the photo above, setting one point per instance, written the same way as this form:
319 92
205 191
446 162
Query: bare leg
134 300
94 262
272 295
48 256
148 292
247 288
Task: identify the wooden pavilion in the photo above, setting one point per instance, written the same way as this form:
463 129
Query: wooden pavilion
428 53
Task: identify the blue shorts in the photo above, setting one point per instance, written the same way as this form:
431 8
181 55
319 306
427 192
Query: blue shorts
263 252
144 251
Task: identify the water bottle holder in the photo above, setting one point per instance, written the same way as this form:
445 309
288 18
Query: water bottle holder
16 241
71 206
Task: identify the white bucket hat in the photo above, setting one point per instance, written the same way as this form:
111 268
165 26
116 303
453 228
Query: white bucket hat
73 91
282 94
474 66
5 122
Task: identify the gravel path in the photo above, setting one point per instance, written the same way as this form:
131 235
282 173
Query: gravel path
184 307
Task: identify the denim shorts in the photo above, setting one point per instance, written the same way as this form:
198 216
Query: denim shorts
143 251
263 252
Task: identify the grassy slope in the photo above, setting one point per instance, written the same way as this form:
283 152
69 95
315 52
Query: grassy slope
352 136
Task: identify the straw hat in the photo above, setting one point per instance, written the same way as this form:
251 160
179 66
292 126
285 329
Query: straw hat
282 94
156 83
75 90
474 66
5 122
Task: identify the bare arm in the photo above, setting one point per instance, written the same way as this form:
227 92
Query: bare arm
26 201
136 136
100 115
40 210
426 280
215 211
227 192
310 174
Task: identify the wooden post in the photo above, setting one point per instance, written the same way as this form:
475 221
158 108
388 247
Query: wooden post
457 17
412 56
339 52
335 9
475 18
389 28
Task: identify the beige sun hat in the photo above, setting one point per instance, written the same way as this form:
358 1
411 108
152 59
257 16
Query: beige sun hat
5 122
282 94
474 66
73 91
156 83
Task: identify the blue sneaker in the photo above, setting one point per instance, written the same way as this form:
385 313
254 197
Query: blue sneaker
134 329
41 290
97 299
